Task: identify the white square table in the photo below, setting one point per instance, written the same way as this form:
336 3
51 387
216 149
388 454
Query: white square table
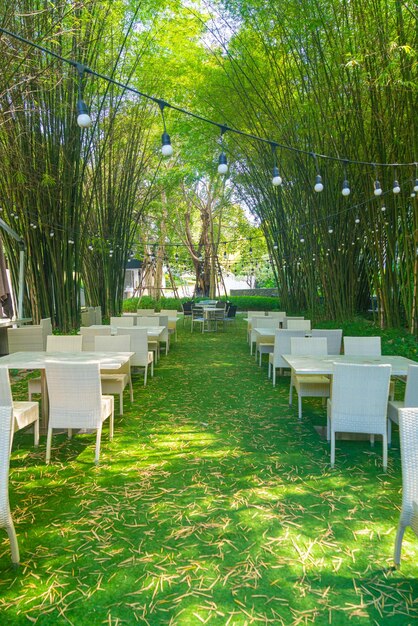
323 364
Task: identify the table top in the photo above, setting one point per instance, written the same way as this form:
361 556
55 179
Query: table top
36 360
152 331
324 364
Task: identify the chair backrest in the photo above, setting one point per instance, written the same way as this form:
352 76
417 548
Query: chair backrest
145 311
251 314
64 343
171 313
232 310
46 326
411 390
6 429
221 304
334 338
88 318
115 343
264 322
362 346
359 397
148 321
89 334
408 439
75 391
298 324
98 315
139 344
163 320
197 312
187 308
124 320
280 314
26 339
309 346
282 345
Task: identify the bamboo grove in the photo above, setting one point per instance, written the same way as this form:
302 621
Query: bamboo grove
328 77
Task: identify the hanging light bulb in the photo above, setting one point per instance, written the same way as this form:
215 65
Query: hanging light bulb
377 188
383 208
277 179
346 189
302 240
275 246
223 164
318 183
357 220
330 230
396 188
166 147
416 185
83 117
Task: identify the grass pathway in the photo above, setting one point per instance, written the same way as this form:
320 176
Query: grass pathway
212 505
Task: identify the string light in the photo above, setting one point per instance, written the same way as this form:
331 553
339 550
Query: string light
223 163
318 187
83 117
166 147
396 187
277 179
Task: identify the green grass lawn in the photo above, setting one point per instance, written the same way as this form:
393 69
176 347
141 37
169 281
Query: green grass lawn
212 504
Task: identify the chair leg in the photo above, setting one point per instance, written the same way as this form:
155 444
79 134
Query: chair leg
152 369
48 445
269 370
398 544
274 375
36 433
111 421
385 452
291 392
299 406
332 448
389 432
121 402
14 546
98 440
131 390
145 375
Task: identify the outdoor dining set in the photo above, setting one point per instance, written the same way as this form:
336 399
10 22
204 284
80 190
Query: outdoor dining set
357 383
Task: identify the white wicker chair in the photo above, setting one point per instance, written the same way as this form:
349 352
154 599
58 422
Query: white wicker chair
261 322
24 413
334 338
281 346
124 320
250 315
410 400
358 402
313 386
76 400
89 334
408 436
115 381
139 344
56 343
145 312
6 433
298 324
366 346
151 321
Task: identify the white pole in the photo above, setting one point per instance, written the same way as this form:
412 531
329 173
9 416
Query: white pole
21 283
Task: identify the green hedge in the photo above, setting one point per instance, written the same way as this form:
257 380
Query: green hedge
244 303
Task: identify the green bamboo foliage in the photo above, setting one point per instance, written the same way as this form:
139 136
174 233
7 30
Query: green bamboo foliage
335 78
